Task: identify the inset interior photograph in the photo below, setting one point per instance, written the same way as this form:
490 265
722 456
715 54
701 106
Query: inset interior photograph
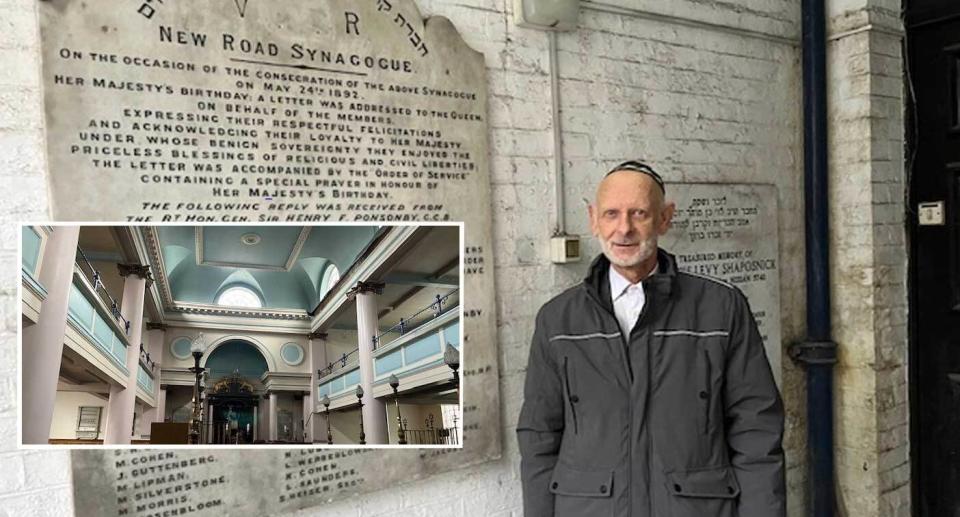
241 335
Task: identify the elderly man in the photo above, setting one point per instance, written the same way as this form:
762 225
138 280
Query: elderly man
648 391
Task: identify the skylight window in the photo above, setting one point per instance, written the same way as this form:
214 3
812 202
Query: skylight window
330 278
239 297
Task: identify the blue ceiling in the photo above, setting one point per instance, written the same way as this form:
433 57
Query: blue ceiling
261 266
222 244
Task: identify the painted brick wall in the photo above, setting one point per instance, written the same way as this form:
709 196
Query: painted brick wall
869 257
31 483
708 91
890 274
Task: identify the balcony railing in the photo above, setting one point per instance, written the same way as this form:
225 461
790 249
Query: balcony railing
95 279
32 243
432 435
340 384
146 360
145 379
443 436
437 308
338 364
94 323
422 348
405 324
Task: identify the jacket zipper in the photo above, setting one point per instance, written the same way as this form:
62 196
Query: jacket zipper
629 368
646 408
625 340
706 390
626 356
573 409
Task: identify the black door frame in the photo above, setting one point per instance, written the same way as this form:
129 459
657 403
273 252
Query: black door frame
929 12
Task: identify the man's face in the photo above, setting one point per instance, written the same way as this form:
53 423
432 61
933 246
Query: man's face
627 217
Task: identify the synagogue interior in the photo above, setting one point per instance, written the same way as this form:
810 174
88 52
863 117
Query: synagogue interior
241 335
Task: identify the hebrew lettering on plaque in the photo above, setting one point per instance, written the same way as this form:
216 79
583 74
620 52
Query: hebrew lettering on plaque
729 232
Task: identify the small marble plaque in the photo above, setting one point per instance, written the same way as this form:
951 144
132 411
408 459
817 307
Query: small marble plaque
729 232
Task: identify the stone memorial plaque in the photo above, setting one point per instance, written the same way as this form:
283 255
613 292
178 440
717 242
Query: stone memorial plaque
246 111
729 232
249 482
256 111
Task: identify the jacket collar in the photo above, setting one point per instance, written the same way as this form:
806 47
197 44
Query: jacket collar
597 281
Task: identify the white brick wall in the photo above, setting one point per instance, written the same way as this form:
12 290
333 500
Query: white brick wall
31 483
891 275
695 97
869 258
21 116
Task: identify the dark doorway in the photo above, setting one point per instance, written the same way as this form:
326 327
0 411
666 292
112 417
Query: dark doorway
933 53
233 423
233 411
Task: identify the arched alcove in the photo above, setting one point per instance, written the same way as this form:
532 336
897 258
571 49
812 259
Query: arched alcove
236 354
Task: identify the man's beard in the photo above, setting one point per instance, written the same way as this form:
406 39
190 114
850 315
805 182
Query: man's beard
646 249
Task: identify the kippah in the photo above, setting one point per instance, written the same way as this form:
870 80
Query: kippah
642 168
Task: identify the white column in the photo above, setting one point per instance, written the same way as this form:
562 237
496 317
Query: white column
154 338
374 423
161 405
296 426
43 342
264 417
256 422
123 399
306 409
317 359
272 417
143 424
209 425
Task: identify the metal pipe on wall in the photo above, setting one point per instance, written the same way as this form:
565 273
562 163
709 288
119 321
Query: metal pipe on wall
560 228
818 353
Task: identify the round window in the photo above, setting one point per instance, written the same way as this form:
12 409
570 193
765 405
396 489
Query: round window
291 353
180 348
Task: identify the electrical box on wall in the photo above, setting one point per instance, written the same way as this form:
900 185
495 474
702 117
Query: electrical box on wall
931 213
564 248
555 15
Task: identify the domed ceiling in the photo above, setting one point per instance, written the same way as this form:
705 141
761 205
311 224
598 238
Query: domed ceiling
283 265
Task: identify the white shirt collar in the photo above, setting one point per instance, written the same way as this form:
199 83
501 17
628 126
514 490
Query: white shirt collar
619 284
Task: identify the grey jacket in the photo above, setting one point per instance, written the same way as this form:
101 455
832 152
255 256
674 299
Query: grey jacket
679 419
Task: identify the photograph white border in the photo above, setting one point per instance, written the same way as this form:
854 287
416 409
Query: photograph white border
209 447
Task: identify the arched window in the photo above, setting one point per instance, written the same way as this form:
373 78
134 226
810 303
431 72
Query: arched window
239 296
330 278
